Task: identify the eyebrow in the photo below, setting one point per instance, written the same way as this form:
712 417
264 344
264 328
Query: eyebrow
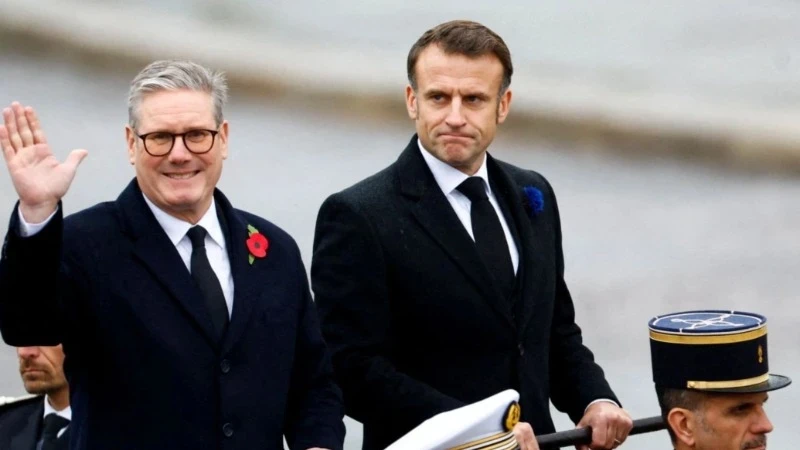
434 92
184 129
479 94
748 404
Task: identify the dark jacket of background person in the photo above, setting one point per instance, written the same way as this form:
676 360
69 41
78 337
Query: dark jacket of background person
21 425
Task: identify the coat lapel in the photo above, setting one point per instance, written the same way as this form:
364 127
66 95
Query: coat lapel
156 252
248 280
436 216
28 434
530 249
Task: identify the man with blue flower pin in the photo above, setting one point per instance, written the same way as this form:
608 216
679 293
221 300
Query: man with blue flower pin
711 374
440 280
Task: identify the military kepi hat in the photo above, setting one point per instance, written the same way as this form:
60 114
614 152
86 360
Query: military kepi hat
484 425
717 351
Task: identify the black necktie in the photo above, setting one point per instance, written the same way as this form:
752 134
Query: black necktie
489 236
207 280
53 423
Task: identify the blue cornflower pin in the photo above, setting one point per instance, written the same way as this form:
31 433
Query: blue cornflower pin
534 200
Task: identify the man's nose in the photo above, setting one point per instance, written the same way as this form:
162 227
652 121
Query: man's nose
762 425
179 151
28 352
455 116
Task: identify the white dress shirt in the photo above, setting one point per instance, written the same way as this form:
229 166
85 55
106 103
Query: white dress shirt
216 249
65 413
449 178
176 229
29 229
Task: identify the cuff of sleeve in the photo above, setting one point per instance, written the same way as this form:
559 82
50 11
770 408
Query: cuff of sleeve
601 400
29 229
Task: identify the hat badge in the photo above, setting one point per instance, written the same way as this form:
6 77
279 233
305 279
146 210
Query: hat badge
760 354
512 416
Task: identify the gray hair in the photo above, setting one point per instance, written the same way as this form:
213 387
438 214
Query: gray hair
669 398
171 75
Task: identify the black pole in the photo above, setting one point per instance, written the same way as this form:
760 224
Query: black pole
584 435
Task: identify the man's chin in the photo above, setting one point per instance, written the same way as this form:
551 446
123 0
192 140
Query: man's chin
463 160
37 388
182 202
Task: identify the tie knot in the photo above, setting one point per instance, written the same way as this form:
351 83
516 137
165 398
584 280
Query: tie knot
197 235
53 423
473 188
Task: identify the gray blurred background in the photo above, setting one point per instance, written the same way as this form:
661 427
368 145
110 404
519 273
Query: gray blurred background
669 130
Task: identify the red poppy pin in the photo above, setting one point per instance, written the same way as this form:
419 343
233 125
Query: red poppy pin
257 244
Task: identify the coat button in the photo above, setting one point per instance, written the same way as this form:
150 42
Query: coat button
227 430
225 366
521 349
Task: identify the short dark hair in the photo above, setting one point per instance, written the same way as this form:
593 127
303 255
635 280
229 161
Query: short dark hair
462 37
669 399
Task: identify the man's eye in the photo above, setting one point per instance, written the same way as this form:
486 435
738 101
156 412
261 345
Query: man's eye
741 410
197 135
159 137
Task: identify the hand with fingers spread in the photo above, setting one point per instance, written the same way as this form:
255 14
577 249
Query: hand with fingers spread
525 438
38 177
610 426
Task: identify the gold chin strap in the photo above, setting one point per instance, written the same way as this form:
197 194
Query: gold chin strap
727 384
499 441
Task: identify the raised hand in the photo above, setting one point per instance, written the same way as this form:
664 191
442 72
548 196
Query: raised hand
39 178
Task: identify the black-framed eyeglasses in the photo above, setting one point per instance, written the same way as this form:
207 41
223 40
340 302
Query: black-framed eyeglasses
160 143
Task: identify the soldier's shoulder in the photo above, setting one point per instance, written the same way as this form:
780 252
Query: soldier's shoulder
11 403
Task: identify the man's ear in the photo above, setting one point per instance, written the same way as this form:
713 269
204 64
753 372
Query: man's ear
223 139
682 423
504 106
130 138
411 103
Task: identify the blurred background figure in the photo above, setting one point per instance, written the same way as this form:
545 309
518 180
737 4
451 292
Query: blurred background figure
668 129
42 421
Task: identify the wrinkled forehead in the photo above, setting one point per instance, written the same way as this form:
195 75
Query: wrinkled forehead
175 110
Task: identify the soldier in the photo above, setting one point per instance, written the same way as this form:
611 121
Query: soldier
40 422
712 377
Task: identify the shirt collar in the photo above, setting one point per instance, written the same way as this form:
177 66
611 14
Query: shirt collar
176 228
449 178
48 409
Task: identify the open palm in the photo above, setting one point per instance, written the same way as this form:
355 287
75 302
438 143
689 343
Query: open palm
38 177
